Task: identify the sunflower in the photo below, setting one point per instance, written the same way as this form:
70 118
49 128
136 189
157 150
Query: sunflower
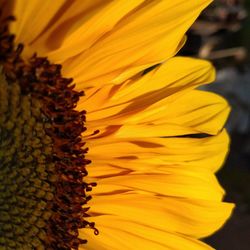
105 141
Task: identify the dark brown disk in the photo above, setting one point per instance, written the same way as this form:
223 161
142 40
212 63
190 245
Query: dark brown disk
41 82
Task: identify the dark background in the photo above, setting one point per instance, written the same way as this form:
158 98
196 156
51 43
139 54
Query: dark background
222 35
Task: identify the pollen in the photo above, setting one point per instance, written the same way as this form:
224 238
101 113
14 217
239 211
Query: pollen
43 195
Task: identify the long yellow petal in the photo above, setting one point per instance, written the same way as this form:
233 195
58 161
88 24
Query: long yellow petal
164 82
121 234
33 18
208 153
80 26
192 217
151 34
195 112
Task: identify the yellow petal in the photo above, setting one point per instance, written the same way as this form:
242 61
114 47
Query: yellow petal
149 35
191 217
201 185
208 153
169 82
92 39
33 18
195 112
174 75
203 111
121 234
81 25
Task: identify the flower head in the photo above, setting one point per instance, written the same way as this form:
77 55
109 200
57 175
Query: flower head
132 130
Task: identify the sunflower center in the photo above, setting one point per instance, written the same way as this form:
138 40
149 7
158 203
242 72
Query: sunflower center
26 177
42 160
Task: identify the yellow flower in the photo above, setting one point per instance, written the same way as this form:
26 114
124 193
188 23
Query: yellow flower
153 139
